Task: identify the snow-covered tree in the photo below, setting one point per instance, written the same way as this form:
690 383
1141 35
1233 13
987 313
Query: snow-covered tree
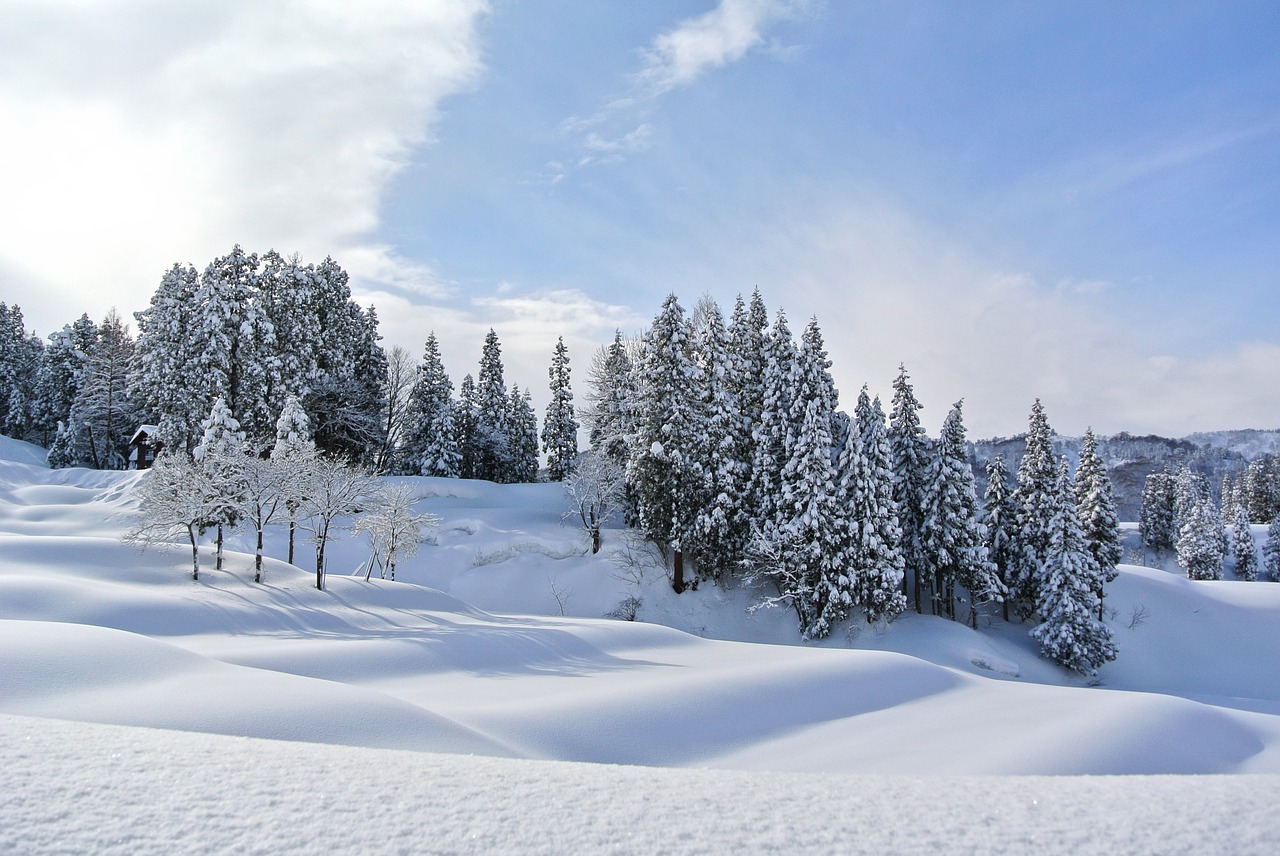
1200 548
611 416
662 470
911 456
465 420
998 519
1069 634
773 434
522 423
744 379
21 356
261 480
595 487
1158 525
61 374
176 498
393 528
102 418
401 379
430 447
865 492
1242 546
1036 502
951 537
164 359
220 453
1096 505
336 489
492 435
1271 550
293 456
560 426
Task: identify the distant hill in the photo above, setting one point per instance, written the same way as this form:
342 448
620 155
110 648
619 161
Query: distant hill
1132 458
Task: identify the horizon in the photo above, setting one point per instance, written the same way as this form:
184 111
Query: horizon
1076 204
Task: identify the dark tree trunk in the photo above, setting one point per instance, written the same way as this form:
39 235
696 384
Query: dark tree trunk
195 553
595 541
257 559
293 524
321 538
677 580
217 564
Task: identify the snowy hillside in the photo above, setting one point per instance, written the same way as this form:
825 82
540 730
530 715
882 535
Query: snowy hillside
492 644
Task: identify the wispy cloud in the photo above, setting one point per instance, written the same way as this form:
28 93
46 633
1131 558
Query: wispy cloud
675 59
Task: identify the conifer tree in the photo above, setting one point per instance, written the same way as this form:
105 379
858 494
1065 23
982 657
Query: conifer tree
911 456
1200 548
492 434
951 537
293 455
560 426
662 470
1243 547
523 425
744 379
61 375
865 492
465 426
1271 550
220 454
1035 500
1096 505
611 417
998 519
1067 595
96 432
720 528
21 356
1158 523
773 435
164 359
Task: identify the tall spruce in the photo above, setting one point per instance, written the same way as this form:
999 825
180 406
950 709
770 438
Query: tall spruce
1243 547
1066 598
1096 505
773 434
1036 502
911 456
612 414
1271 550
865 491
998 521
560 425
430 444
1200 542
1157 525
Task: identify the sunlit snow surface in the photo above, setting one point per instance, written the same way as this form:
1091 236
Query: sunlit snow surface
132 699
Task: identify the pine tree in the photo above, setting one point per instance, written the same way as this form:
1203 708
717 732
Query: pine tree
522 422
744 379
662 470
1035 499
1096 505
611 417
1242 546
1067 595
293 455
951 538
998 520
61 375
492 434
164 359
721 526
865 492
430 446
220 454
21 356
773 434
103 417
911 456
1158 522
1200 549
465 426
560 426
1271 550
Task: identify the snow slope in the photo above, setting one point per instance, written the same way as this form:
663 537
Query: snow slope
469 655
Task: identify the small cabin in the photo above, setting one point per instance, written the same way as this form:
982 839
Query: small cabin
143 447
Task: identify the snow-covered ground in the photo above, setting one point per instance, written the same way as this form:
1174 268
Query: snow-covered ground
449 711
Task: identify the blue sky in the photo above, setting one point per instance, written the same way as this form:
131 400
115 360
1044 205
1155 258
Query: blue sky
1076 201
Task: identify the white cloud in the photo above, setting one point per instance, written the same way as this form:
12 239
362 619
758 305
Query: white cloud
723 35
139 134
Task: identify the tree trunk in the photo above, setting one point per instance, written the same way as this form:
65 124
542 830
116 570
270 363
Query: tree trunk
257 559
919 607
595 540
217 565
677 581
293 524
320 539
195 553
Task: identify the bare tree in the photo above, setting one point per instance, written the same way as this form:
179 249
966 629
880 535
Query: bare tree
402 374
336 489
261 496
393 528
595 489
176 497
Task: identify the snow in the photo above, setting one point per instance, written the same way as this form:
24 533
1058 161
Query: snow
454 710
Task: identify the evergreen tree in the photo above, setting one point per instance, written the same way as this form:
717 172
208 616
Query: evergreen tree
465 425
97 431
492 435
1243 547
1200 548
61 375
560 426
773 434
1035 500
662 470
911 457
744 380
1158 522
721 526
220 454
611 418
1096 505
164 359
951 538
1271 550
21 356
865 492
523 427
293 455
1067 595
998 519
